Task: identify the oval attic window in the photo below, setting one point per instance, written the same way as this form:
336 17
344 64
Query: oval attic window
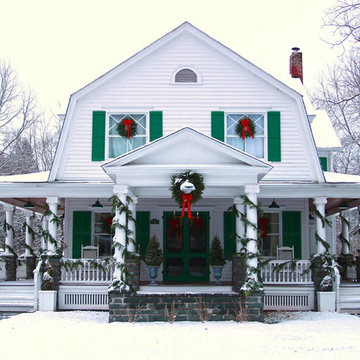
185 76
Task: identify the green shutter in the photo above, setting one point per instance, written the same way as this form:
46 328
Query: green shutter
274 136
142 229
81 231
229 234
324 163
98 136
156 125
217 125
291 224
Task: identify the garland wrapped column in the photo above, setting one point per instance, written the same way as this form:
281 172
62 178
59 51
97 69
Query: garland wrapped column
345 232
52 202
320 203
132 225
28 232
9 254
45 229
239 225
119 239
9 239
251 192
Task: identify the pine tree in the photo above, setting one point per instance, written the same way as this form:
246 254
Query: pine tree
216 253
153 253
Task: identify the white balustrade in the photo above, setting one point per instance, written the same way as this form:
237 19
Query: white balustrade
282 272
86 271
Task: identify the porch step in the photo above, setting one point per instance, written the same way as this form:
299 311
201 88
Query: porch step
350 298
17 296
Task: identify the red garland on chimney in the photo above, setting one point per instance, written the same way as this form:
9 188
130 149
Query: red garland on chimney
296 68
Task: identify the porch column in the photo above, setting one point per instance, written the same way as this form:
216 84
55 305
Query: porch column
44 227
29 237
239 226
251 192
28 234
320 203
9 254
345 232
53 202
9 236
132 225
120 236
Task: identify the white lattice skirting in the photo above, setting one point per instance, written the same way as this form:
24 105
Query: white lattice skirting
290 298
72 297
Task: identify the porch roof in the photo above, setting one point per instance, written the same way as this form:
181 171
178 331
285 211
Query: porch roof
186 149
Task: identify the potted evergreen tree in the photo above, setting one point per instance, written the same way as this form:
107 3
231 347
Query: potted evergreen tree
153 258
217 259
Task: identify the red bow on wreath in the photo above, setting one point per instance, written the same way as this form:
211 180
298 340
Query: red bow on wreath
245 124
174 226
262 224
127 123
186 199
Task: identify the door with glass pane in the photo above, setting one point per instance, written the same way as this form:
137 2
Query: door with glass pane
186 247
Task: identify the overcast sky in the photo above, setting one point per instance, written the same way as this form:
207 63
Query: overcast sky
60 46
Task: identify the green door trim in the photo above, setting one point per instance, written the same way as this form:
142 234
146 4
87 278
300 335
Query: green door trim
186 254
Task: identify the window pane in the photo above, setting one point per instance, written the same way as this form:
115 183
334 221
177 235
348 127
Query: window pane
255 146
269 244
117 146
197 266
174 266
135 142
236 142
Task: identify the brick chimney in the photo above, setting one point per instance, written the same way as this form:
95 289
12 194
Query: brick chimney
296 68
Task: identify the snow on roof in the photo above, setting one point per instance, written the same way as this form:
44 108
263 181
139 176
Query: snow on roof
324 133
331 177
32 177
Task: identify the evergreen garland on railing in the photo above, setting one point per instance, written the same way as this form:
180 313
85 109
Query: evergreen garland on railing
117 205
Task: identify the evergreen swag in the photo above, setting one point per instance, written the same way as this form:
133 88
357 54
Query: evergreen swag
118 206
122 128
216 255
153 253
242 129
195 178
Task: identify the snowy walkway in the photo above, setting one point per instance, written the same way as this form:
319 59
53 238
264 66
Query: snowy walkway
87 335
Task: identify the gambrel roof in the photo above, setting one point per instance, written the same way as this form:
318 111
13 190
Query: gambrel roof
185 28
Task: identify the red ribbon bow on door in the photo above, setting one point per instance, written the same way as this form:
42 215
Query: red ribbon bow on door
127 123
174 226
186 199
245 124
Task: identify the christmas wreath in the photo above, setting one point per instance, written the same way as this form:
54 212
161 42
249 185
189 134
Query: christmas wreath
245 128
195 178
127 127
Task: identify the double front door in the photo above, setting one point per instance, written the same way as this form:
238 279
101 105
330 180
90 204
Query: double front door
186 247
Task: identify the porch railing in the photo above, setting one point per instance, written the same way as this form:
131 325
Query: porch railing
282 272
86 271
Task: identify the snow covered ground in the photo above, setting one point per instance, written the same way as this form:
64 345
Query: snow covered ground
88 335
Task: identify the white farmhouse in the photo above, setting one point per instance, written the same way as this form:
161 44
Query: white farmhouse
187 107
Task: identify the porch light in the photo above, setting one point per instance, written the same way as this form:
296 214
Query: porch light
97 204
154 221
28 205
344 206
274 205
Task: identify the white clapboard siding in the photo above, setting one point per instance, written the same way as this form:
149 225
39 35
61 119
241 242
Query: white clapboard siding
147 85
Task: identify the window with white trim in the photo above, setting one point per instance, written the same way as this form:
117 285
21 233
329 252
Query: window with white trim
117 144
186 76
270 240
254 146
102 233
